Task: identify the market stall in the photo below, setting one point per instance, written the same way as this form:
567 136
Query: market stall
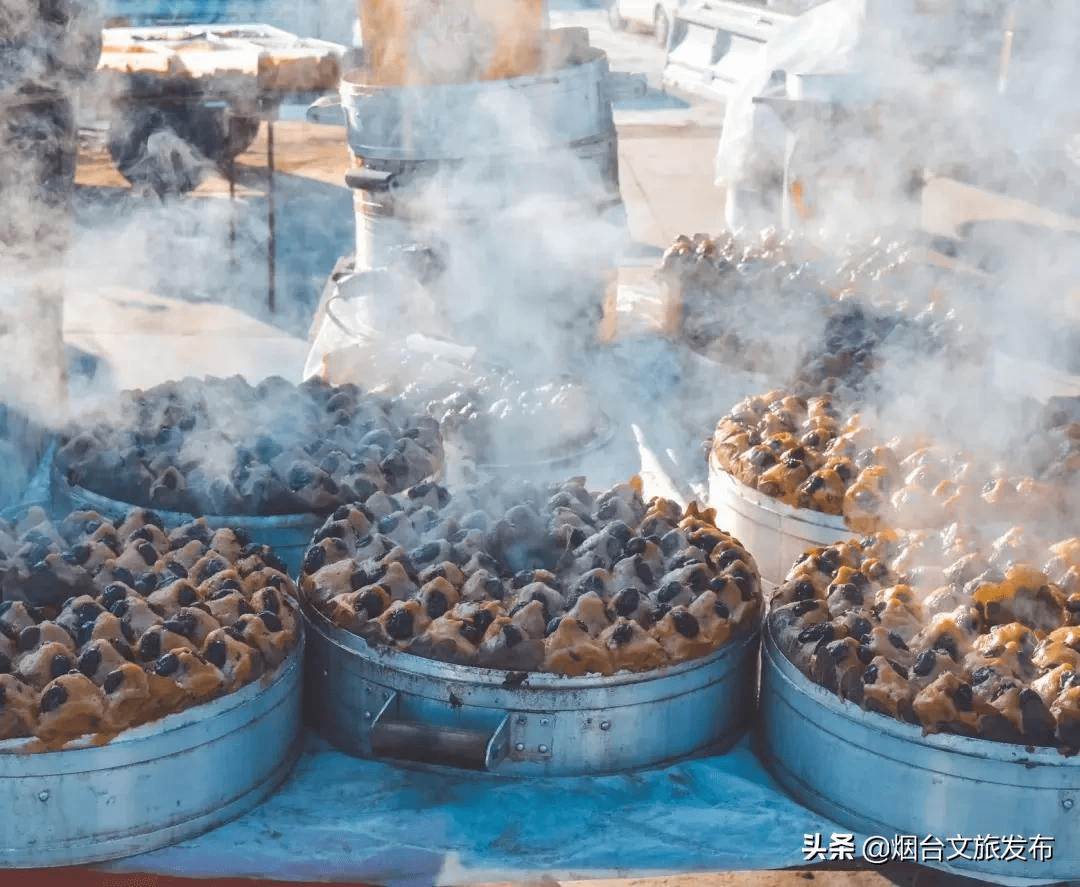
471 603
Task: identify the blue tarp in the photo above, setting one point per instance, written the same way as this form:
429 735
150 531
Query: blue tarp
346 819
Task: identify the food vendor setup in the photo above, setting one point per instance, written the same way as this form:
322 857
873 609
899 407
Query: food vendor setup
525 622
485 171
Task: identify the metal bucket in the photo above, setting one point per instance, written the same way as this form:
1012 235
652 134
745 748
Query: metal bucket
774 533
153 785
567 104
386 704
289 535
836 758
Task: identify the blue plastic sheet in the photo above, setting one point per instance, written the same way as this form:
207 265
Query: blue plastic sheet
344 819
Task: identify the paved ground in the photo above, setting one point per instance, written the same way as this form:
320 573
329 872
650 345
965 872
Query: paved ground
890 876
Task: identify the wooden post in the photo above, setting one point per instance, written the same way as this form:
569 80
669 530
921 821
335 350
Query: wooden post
271 222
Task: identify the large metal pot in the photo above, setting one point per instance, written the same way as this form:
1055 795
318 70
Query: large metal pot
836 758
565 104
153 785
387 704
287 534
773 532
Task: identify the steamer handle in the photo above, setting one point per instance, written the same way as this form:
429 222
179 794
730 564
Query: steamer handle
429 744
377 181
325 103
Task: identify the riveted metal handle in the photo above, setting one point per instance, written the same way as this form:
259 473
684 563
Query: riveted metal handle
378 181
429 744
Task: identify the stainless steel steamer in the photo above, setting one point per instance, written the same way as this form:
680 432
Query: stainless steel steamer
512 184
383 703
878 776
153 785
774 533
485 148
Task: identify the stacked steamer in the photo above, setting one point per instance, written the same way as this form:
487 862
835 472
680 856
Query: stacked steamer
529 630
135 655
493 152
493 156
488 213
272 458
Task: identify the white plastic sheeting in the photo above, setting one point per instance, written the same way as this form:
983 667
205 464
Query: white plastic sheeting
815 39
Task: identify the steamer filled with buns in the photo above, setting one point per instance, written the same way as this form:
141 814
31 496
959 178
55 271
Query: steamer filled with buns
543 591
108 625
137 654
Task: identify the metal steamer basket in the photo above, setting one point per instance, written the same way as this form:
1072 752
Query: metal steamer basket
155 784
775 533
566 105
378 702
834 757
470 172
288 534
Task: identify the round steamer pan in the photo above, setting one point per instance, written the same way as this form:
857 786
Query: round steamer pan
834 757
774 533
563 106
289 535
153 785
382 703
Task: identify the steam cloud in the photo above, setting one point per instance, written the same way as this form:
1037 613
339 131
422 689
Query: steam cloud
925 101
526 246
527 226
